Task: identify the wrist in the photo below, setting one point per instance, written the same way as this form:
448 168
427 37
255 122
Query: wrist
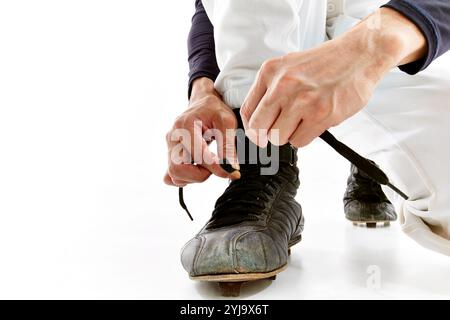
400 37
386 39
201 88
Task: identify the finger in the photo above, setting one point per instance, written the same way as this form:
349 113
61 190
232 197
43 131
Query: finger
174 182
305 134
284 126
262 120
168 180
191 140
252 100
257 91
181 169
208 161
226 125
203 157
176 155
189 135
211 162
188 173
197 146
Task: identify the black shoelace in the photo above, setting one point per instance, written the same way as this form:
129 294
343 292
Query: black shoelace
363 164
250 197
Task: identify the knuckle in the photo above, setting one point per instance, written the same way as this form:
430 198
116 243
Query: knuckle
187 122
286 81
269 66
323 111
306 97
265 67
179 122
244 112
227 119
210 99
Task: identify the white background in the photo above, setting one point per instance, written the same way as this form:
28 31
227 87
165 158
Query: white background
87 91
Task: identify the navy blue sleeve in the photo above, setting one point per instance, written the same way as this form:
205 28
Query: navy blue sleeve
201 47
433 19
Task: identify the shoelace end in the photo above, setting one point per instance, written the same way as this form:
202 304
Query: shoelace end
398 191
182 204
361 163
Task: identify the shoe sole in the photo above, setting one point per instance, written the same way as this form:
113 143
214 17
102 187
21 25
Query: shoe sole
371 224
230 284
239 277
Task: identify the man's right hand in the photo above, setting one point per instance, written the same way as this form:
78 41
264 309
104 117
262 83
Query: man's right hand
190 159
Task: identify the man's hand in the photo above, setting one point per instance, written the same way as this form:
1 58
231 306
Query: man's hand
190 160
303 94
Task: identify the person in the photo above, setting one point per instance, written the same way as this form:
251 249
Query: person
291 85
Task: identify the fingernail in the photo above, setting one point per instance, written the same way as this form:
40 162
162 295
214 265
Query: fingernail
263 141
252 135
236 166
263 138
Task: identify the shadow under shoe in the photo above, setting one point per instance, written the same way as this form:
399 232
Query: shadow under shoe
365 201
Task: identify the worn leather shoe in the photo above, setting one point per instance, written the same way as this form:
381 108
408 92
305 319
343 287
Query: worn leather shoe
253 225
365 201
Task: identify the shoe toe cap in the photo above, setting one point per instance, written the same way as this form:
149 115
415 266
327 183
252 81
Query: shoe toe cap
258 252
232 252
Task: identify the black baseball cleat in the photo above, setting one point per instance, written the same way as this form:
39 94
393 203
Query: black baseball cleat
253 225
365 203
